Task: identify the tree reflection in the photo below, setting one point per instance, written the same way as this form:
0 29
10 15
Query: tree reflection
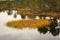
54 22
52 29
43 30
15 15
9 12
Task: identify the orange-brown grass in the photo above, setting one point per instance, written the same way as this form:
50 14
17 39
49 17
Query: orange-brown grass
28 23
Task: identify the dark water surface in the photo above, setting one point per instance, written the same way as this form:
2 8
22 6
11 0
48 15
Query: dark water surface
45 33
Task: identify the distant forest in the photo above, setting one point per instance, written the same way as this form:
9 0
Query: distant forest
41 5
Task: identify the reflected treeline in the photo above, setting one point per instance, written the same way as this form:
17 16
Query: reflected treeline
52 29
43 30
54 22
15 15
9 12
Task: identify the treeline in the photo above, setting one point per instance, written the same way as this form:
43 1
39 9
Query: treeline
36 5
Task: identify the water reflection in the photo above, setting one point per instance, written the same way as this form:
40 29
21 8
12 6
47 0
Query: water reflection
54 22
54 31
43 30
51 29
15 15
9 12
7 33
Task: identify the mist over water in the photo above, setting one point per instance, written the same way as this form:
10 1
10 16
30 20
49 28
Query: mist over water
7 33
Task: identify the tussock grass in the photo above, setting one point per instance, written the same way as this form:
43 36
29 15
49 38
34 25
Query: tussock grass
28 23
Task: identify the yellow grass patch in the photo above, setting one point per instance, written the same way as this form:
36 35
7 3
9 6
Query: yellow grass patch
28 23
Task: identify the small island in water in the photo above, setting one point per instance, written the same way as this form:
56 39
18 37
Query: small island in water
31 23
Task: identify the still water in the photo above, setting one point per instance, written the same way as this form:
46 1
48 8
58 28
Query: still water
7 33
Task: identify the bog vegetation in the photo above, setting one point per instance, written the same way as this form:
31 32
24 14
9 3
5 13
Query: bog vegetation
31 23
